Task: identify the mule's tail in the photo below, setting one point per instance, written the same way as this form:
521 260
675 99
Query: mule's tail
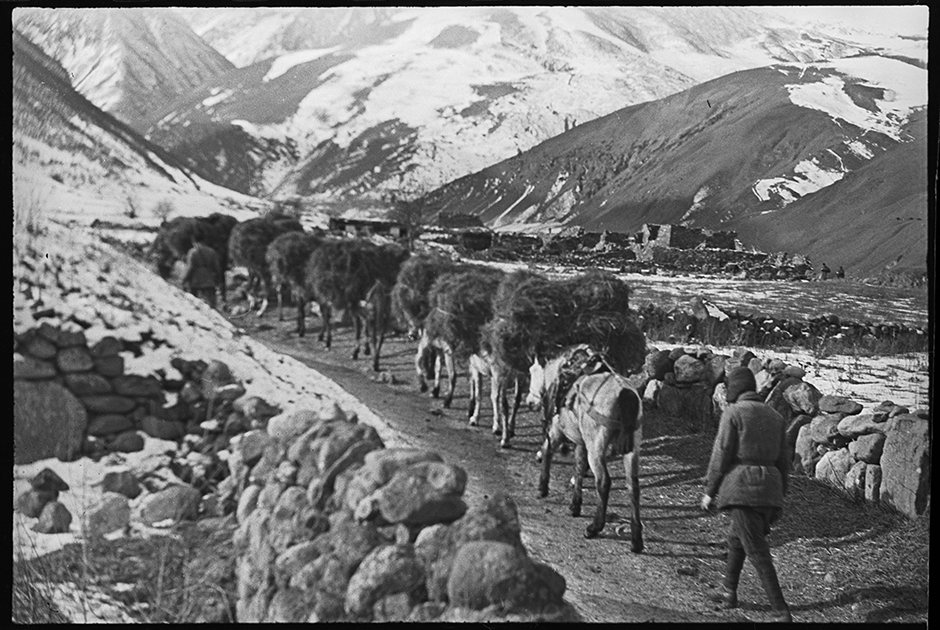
631 414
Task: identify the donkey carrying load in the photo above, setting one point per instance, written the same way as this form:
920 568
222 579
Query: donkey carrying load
536 326
175 238
344 274
248 247
599 410
461 304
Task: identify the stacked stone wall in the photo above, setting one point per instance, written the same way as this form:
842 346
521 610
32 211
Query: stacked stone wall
877 455
333 526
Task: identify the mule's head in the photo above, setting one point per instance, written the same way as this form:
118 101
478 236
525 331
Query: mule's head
537 384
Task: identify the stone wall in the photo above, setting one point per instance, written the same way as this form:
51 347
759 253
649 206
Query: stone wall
335 527
73 399
879 455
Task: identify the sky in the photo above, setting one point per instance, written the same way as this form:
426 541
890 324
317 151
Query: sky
899 19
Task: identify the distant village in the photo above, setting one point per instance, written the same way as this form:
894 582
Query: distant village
656 248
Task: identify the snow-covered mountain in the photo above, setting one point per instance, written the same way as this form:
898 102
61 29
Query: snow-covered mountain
365 102
127 62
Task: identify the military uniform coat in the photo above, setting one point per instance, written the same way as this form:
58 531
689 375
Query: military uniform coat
749 464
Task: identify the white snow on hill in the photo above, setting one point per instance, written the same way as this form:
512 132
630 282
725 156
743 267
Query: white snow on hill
123 298
904 85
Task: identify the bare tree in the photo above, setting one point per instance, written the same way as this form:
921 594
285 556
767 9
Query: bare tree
410 214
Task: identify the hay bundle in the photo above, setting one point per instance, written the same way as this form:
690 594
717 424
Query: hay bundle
461 303
410 301
341 271
541 317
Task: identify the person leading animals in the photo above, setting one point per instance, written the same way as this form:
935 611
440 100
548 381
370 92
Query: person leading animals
747 477
202 271
824 272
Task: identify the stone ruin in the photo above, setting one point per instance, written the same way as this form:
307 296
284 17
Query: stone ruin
879 455
329 524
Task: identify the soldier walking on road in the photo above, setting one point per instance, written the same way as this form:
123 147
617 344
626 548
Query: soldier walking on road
202 271
747 476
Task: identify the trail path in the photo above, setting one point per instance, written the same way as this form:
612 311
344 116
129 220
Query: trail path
606 582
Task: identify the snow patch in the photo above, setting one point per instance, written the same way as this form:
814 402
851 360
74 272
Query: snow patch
285 62
215 99
904 85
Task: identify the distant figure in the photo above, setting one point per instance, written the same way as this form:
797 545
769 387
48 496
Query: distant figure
202 271
824 272
840 273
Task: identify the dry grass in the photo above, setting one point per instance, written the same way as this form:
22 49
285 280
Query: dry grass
186 576
543 316
461 303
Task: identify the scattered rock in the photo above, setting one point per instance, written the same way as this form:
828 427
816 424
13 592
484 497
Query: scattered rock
54 519
173 503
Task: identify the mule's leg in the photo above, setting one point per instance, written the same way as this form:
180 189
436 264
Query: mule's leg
596 448
511 424
631 466
280 303
438 370
326 332
580 467
496 395
378 349
266 288
301 316
451 377
473 406
546 460
357 323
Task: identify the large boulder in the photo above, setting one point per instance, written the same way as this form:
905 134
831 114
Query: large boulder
386 570
48 421
29 368
424 493
134 385
905 464
862 424
803 398
855 480
87 384
776 400
839 405
805 455
657 364
110 513
694 404
379 467
495 518
715 369
488 572
868 448
833 467
824 428
172 504
54 519
688 369
74 359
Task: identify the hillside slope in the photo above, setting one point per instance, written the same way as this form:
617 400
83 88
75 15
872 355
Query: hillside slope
753 143
71 158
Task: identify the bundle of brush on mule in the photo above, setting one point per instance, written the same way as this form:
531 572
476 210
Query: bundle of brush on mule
410 303
461 303
541 317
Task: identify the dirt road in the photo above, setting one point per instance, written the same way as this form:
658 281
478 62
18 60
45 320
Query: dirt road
606 582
